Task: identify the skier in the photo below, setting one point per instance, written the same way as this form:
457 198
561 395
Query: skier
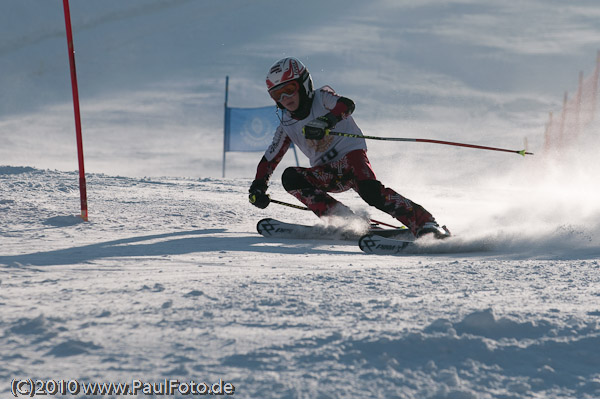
337 163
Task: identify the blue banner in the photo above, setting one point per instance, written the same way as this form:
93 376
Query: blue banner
249 129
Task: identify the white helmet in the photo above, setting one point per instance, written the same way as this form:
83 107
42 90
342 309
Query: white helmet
288 69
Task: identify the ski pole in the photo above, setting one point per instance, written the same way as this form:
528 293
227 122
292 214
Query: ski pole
274 201
480 147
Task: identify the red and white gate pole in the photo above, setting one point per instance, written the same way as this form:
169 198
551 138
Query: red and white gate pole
82 186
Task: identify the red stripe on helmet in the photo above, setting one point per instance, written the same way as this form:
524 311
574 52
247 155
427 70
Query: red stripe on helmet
288 73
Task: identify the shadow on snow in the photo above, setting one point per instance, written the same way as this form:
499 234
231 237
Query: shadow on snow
177 243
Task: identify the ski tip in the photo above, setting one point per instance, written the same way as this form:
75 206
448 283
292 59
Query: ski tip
366 243
377 245
260 226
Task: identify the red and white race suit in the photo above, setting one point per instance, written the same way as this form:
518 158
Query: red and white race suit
337 164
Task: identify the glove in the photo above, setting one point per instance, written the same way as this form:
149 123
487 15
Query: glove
319 128
257 195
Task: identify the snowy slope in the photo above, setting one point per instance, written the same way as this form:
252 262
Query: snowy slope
152 74
169 280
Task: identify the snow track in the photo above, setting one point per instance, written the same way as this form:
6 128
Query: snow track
170 280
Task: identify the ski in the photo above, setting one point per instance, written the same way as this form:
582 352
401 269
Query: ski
277 229
374 244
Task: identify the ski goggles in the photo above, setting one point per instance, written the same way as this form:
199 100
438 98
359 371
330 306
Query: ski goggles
287 90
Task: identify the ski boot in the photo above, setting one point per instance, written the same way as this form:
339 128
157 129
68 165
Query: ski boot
433 228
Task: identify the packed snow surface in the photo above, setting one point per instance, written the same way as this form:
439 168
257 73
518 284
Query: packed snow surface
168 280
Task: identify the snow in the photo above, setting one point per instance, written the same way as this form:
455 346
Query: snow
169 279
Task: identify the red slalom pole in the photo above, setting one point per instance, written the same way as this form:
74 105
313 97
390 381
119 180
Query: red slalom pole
82 185
480 147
